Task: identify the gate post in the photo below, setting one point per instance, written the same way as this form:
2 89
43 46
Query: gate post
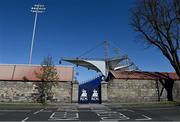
104 96
75 92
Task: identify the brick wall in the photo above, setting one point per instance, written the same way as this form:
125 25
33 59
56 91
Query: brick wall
120 90
176 91
18 91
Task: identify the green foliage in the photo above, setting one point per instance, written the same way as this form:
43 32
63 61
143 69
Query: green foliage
48 78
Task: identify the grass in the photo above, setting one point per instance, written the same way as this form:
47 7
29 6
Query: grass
25 104
150 104
20 104
30 104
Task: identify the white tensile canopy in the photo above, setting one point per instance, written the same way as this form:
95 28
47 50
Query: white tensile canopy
101 65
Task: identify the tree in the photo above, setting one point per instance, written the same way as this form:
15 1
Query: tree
48 78
158 24
167 82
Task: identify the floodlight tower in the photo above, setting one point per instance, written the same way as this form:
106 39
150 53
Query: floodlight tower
37 8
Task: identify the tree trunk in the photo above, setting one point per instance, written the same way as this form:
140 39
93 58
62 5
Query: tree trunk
174 61
158 92
42 95
169 95
177 69
169 88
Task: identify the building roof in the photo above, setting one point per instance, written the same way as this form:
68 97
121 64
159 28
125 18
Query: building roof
19 72
139 75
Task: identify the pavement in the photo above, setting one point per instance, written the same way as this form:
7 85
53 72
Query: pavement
89 112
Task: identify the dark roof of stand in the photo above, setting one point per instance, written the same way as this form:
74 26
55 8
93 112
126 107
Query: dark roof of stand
140 75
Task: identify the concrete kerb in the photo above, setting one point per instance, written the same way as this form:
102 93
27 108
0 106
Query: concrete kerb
145 104
91 106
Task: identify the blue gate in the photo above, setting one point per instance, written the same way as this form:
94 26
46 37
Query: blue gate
90 92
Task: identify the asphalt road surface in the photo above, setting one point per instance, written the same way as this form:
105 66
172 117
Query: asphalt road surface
90 113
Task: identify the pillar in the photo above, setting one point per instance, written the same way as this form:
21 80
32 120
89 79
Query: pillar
104 96
75 92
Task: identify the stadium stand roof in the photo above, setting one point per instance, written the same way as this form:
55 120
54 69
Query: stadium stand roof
140 75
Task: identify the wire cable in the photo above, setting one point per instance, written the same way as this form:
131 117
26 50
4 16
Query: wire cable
90 50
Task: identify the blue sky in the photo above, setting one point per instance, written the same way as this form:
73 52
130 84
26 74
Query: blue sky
70 27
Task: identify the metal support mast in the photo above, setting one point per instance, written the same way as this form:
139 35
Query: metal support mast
106 49
37 8
106 53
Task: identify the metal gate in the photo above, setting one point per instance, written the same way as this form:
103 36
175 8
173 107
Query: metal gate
90 92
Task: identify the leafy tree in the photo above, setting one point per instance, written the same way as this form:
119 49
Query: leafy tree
158 24
48 78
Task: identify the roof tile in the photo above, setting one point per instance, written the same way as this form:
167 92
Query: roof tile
144 75
18 72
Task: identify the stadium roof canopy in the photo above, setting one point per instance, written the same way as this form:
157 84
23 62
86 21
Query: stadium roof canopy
102 65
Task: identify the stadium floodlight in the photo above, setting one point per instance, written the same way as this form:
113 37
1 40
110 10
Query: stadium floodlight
37 8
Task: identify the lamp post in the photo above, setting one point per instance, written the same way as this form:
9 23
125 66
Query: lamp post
37 8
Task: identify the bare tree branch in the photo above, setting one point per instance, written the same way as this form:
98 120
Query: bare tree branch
158 22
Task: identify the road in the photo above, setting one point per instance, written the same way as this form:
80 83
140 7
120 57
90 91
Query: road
89 113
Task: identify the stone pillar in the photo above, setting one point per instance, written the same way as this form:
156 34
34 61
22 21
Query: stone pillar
75 92
104 96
